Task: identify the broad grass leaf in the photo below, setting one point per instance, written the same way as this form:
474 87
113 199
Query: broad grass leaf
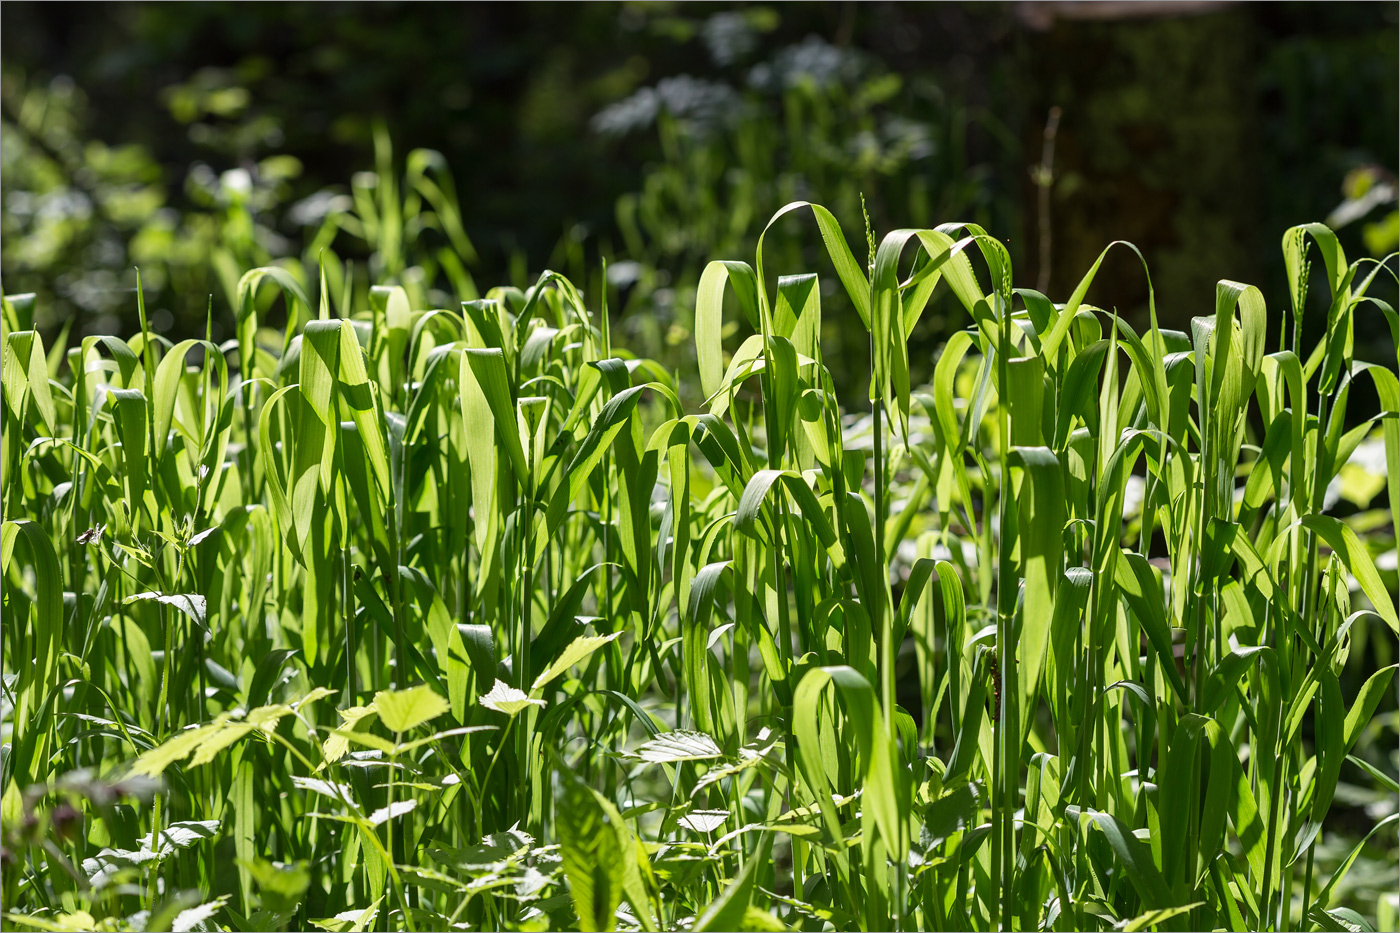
1232 667
1324 896
1360 711
945 371
952 812
885 796
489 368
1267 474
965 747
728 910
887 334
360 396
1025 398
1040 531
1135 857
848 270
751 503
1337 726
1153 918
320 367
923 570
1347 546
577 650
695 631
27 377
606 427
1141 587
749 360
451 653
592 856
563 620
1050 342
272 472
1388 391
1295 258
247 312
488 323
169 373
1385 780
479 430
269 673
38 673
1175 799
1340 920
798 312
709 314
1078 388
129 413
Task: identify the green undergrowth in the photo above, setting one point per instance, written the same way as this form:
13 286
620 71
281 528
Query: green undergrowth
458 618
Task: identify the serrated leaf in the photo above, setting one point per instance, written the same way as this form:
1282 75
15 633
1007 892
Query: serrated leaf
184 834
395 810
187 920
191 604
750 757
401 710
350 921
337 792
679 746
367 739
704 821
203 742
101 867
503 698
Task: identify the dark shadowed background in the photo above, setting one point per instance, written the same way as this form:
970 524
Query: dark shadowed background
195 140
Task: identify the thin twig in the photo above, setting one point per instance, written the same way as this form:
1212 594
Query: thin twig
1044 175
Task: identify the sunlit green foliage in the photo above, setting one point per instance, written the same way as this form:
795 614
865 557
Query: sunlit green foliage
439 618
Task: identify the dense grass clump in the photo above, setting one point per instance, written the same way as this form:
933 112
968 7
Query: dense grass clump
461 618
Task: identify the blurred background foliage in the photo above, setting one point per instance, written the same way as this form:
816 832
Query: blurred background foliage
446 145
